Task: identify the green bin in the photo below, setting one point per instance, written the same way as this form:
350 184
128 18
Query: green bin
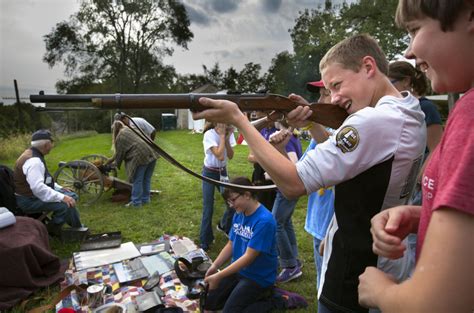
168 121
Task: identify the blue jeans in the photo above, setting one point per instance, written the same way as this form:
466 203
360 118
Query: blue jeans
206 235
286 239
236 293
142 184
61 212
318 260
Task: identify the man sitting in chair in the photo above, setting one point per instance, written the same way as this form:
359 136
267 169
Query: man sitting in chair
35 189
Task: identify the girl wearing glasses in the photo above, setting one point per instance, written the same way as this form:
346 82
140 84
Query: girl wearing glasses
245 284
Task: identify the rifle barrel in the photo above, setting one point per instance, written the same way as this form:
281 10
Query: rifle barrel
323 113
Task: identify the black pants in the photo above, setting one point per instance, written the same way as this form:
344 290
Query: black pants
239 294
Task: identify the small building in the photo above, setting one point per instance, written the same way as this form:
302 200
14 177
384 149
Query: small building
184 116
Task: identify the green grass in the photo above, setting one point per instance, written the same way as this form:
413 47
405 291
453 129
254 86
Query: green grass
177 210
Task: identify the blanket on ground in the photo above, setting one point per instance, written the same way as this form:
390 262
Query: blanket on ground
26 261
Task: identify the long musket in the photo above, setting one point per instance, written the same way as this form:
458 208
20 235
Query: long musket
322 113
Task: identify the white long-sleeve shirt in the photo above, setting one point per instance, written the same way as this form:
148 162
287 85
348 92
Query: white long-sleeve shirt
34 171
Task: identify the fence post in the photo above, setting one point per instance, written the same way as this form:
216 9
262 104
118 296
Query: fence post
20 117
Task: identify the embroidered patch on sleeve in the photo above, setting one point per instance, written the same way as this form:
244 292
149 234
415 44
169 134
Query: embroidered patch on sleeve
347 139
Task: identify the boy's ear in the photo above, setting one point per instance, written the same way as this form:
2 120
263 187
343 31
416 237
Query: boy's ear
369 66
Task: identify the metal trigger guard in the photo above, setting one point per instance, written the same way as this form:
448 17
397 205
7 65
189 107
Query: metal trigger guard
281 117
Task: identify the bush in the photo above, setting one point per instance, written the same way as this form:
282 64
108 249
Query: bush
14 145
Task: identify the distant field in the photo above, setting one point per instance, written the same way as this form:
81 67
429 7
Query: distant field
177 210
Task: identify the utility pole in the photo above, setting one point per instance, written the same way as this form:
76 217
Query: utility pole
20 117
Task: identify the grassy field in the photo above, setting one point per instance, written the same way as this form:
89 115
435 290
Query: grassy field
177 210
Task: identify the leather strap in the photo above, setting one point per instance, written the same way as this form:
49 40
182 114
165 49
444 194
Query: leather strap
171 160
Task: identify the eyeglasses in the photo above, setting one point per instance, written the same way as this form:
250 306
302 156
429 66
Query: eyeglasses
230 201
393 81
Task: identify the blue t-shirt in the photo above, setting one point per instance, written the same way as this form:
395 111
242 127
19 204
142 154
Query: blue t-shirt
432 115
267 131
257 231
294 145
320 207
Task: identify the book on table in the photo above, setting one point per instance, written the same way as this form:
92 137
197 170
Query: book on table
162 262
93 258
130 270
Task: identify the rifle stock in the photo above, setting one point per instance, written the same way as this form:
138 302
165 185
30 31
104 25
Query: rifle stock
323 113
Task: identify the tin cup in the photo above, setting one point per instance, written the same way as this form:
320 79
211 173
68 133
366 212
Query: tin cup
95 296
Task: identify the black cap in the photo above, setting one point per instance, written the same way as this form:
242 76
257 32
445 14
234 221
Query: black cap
42 134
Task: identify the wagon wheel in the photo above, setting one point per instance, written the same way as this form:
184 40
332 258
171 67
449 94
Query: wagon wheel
93 158
82 177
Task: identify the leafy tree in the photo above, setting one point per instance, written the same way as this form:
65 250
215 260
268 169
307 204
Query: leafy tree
316 31
249 79
10 115
214 75
117 42
230 80
190 82
281 74
375 17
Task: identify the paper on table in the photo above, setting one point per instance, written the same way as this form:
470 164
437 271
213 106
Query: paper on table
161 263
87 259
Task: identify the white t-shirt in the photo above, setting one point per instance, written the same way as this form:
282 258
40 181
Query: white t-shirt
146 127
372 160
212 139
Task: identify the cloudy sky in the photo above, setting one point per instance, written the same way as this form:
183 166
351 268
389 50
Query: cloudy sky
231 32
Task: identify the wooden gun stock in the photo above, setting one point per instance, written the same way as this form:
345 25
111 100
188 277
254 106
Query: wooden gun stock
323 113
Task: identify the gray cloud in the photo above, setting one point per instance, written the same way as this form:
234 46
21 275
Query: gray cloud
271 6
224 6
197 15
230 32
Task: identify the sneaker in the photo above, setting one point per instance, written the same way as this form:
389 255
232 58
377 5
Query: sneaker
131 204
291 300
288 274
222 230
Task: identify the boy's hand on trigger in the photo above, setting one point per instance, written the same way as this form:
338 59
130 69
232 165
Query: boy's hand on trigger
299 116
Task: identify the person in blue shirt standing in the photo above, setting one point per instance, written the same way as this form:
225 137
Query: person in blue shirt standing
247 283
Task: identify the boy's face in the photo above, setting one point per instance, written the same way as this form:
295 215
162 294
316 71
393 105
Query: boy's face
445 57
349 89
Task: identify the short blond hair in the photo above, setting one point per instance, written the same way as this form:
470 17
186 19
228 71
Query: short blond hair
350 52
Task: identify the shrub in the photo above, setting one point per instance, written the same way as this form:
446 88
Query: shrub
14 145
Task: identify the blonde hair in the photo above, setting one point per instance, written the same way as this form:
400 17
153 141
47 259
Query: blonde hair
117 126
350 52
